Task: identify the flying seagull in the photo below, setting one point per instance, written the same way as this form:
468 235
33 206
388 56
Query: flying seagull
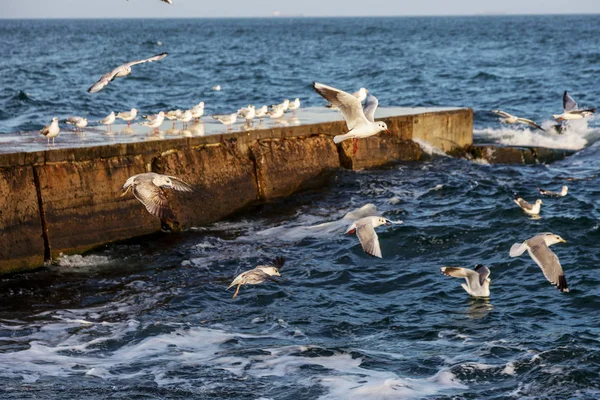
478 281
539 250
361 95
365 230
571 111
120 71
147 188
563 192
360 122
511 119
258 275
531 209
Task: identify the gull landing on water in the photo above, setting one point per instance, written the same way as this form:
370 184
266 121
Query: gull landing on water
571 111
120 71
365 230
361 123
147 188
258 275
563 192
531 209
478 281
539 250
511 119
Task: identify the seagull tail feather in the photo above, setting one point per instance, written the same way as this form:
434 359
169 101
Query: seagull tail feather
340 138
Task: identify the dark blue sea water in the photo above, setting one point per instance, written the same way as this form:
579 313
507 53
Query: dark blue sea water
150 318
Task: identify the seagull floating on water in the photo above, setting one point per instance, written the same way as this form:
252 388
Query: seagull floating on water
511 119
79 122
147 188
51 131
109 120
478 281
531 209
563 192
365 230
258 275
128 116
361 123
120 71
216 88
571 111
539 250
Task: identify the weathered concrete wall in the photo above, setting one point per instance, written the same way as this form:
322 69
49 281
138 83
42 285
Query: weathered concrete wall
74 194
495 154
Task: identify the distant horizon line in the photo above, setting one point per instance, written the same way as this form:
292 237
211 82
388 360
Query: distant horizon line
300 16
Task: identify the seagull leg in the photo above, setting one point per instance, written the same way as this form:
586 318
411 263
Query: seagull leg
355 145
236 291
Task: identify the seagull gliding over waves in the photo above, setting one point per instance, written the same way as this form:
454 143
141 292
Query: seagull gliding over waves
511 119
258 275
365 230
571 111
120 71
361 123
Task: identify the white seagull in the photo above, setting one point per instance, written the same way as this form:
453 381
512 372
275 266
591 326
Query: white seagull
511 119
539 250
154 121
248 113
478 281
128 116
365 230
216 88
120 71
185 117
109 120
563 192
147 188
361 123
258 275
197 113
361 95
226 119
294 106
571 111
79 122
531 209
51 131
173 116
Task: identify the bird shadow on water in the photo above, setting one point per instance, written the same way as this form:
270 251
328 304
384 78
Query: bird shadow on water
479 308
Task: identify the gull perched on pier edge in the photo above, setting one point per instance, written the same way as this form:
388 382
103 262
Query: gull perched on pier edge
478 281
51 131
539 250
361 123
120 71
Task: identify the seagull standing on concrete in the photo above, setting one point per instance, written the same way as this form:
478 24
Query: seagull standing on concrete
539 250
478 281
258 275
79 122
109 120
154 121
173 116
531 209
365 230
294 106
511 119
147 188
226 119
51 131
185 117
361 123
261 112
248 113
120 71
571 111
128 116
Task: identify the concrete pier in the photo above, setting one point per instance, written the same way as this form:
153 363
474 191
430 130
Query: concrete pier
68 199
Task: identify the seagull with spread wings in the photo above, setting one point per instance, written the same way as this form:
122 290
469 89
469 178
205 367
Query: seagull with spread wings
512 119
147 188
120 71
571 111
258 275
478 281
361 122
538 248
365 230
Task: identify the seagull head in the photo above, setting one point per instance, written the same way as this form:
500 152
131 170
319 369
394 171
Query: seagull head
565 190
163 181
538 202
55 119
270 270
551 238
383 126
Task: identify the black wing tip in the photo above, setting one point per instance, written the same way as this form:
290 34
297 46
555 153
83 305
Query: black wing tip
478 267
516 196
562 284
278 262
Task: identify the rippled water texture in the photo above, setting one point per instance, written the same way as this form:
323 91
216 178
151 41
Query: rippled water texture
150 318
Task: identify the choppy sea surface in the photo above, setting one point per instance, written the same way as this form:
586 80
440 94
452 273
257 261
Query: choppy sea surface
150 318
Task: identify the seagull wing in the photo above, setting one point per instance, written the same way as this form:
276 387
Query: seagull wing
522 203
157 57
569 103
502 113
154 199
368 238
105 80
484 273
472 277
349 105
180 185
548 262
370 107
530 122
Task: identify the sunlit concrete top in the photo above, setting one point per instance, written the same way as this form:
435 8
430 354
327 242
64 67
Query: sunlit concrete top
120 133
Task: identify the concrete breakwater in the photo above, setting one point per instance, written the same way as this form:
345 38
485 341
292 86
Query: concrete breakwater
67 200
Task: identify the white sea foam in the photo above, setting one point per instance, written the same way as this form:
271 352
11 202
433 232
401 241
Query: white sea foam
79 262
429 148
575 137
